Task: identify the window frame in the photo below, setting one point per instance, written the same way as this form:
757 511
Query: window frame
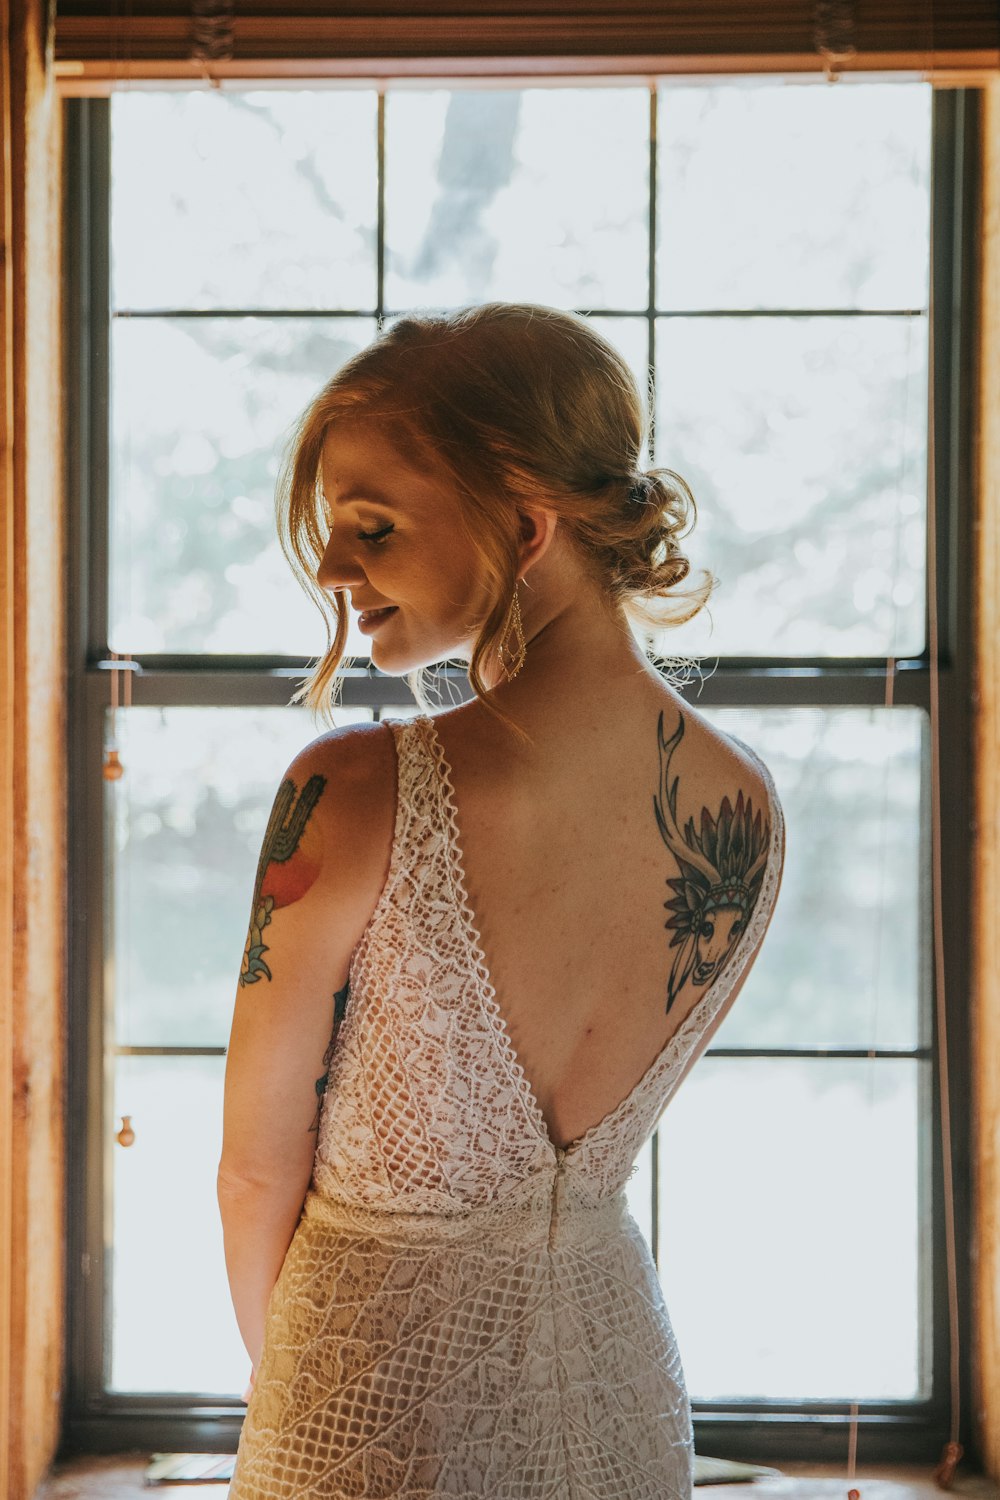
768 1431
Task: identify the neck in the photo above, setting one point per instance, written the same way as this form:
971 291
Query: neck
578 650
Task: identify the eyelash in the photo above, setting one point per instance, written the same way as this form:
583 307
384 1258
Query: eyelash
375 537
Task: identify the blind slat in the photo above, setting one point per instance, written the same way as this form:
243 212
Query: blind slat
137 39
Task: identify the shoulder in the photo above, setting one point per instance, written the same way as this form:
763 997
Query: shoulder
720 754
715 770
351 759
350 772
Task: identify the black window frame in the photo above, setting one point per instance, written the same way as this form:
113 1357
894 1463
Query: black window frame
98 1421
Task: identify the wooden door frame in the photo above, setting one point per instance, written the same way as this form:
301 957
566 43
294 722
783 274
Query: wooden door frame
32 754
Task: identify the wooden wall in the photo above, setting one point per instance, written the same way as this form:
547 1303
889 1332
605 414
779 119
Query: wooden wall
32 782
986 961
32 779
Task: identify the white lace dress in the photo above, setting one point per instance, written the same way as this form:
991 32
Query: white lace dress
467 1309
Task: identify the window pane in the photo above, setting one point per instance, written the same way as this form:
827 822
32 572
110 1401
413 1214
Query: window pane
630 336
639 1192
846 959
804 443
789 1228
201 410
539 195
243 198
172 1320
188 820
794 195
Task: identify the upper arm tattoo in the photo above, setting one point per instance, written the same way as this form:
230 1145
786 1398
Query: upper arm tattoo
722 868
289 864
339 1007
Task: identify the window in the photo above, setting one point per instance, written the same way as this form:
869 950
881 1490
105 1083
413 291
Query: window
763 248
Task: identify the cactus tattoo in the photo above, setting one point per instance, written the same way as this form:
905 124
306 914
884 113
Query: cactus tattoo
289 864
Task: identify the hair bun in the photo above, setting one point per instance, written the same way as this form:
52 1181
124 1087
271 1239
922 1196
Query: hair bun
648 560
642 489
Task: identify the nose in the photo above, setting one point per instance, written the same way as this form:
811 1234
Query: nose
338 569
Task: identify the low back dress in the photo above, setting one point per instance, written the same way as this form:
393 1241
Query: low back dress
467 1309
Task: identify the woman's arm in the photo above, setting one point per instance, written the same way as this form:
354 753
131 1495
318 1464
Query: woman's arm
258 1223
321 867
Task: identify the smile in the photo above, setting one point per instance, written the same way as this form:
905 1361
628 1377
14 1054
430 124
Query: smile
369 618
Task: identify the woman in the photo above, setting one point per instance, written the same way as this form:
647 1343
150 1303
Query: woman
525 917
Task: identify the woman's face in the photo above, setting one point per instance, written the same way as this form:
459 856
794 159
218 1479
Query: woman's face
418 562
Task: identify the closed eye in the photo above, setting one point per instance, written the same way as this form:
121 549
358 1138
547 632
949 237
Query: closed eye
375 537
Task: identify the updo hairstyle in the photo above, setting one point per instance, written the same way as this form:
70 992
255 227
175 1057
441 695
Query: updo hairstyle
521 405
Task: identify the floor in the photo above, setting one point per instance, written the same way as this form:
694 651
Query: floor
120 1477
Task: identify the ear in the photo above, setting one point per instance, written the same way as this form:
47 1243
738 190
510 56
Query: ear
535 533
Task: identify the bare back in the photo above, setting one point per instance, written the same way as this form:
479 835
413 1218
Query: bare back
569 849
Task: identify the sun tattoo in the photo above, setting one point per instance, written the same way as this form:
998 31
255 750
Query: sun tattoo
339 1007
289 864
721 872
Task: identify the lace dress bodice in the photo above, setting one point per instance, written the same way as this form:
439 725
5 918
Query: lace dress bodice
468 1308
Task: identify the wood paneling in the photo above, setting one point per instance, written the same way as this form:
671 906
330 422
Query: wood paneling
560 35
32 778
101 43
986 967
8 864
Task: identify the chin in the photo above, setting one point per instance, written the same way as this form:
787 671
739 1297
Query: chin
397 664
391 668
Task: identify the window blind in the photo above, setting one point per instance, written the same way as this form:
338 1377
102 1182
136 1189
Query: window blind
138 39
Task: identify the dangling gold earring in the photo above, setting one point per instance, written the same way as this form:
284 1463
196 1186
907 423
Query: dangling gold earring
515 656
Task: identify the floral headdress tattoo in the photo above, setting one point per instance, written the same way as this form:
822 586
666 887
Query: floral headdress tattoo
722 867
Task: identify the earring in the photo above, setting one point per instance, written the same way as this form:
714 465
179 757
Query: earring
515 656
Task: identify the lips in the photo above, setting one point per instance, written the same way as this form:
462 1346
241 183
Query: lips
375 614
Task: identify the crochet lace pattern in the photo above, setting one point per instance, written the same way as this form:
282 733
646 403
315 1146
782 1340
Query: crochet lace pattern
467 1308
